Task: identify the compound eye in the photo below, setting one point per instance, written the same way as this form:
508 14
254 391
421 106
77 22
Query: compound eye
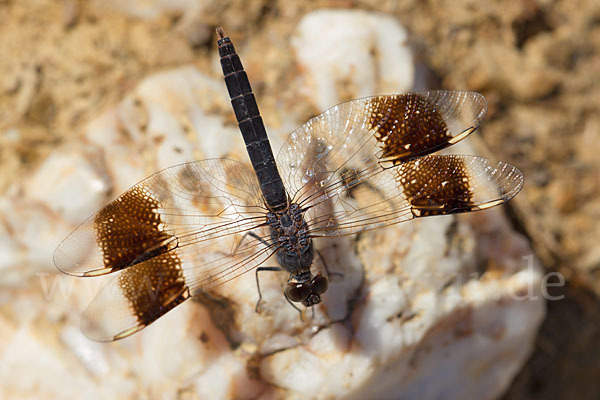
319 284
297 291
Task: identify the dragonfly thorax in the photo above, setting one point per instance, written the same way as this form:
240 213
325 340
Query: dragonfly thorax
295 253
289 230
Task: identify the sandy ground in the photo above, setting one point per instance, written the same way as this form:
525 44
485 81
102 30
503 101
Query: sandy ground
536 62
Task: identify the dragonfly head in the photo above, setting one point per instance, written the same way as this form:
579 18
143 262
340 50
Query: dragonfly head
307 292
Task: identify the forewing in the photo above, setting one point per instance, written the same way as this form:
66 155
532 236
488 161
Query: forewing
188 204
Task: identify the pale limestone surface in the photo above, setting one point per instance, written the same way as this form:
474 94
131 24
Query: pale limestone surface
425 309
347 51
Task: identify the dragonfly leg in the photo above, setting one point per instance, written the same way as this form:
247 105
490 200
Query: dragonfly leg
255 236
259 269
252 235
297 309
329 274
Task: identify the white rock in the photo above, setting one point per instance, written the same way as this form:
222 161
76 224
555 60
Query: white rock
89 353
30 232
421 332
122 149
70 182
351 54
465 340
33 364
410 318
164 122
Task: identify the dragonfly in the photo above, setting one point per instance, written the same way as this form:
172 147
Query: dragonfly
361 165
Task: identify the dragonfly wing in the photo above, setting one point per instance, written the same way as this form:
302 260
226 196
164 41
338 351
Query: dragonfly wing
176 233
142 293
349 165
192 203
431 185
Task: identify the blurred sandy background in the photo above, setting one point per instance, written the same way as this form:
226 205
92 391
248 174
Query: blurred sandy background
536 61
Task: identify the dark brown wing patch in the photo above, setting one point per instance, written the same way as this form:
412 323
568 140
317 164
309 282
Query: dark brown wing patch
407 126
154 288
436 185
128 231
